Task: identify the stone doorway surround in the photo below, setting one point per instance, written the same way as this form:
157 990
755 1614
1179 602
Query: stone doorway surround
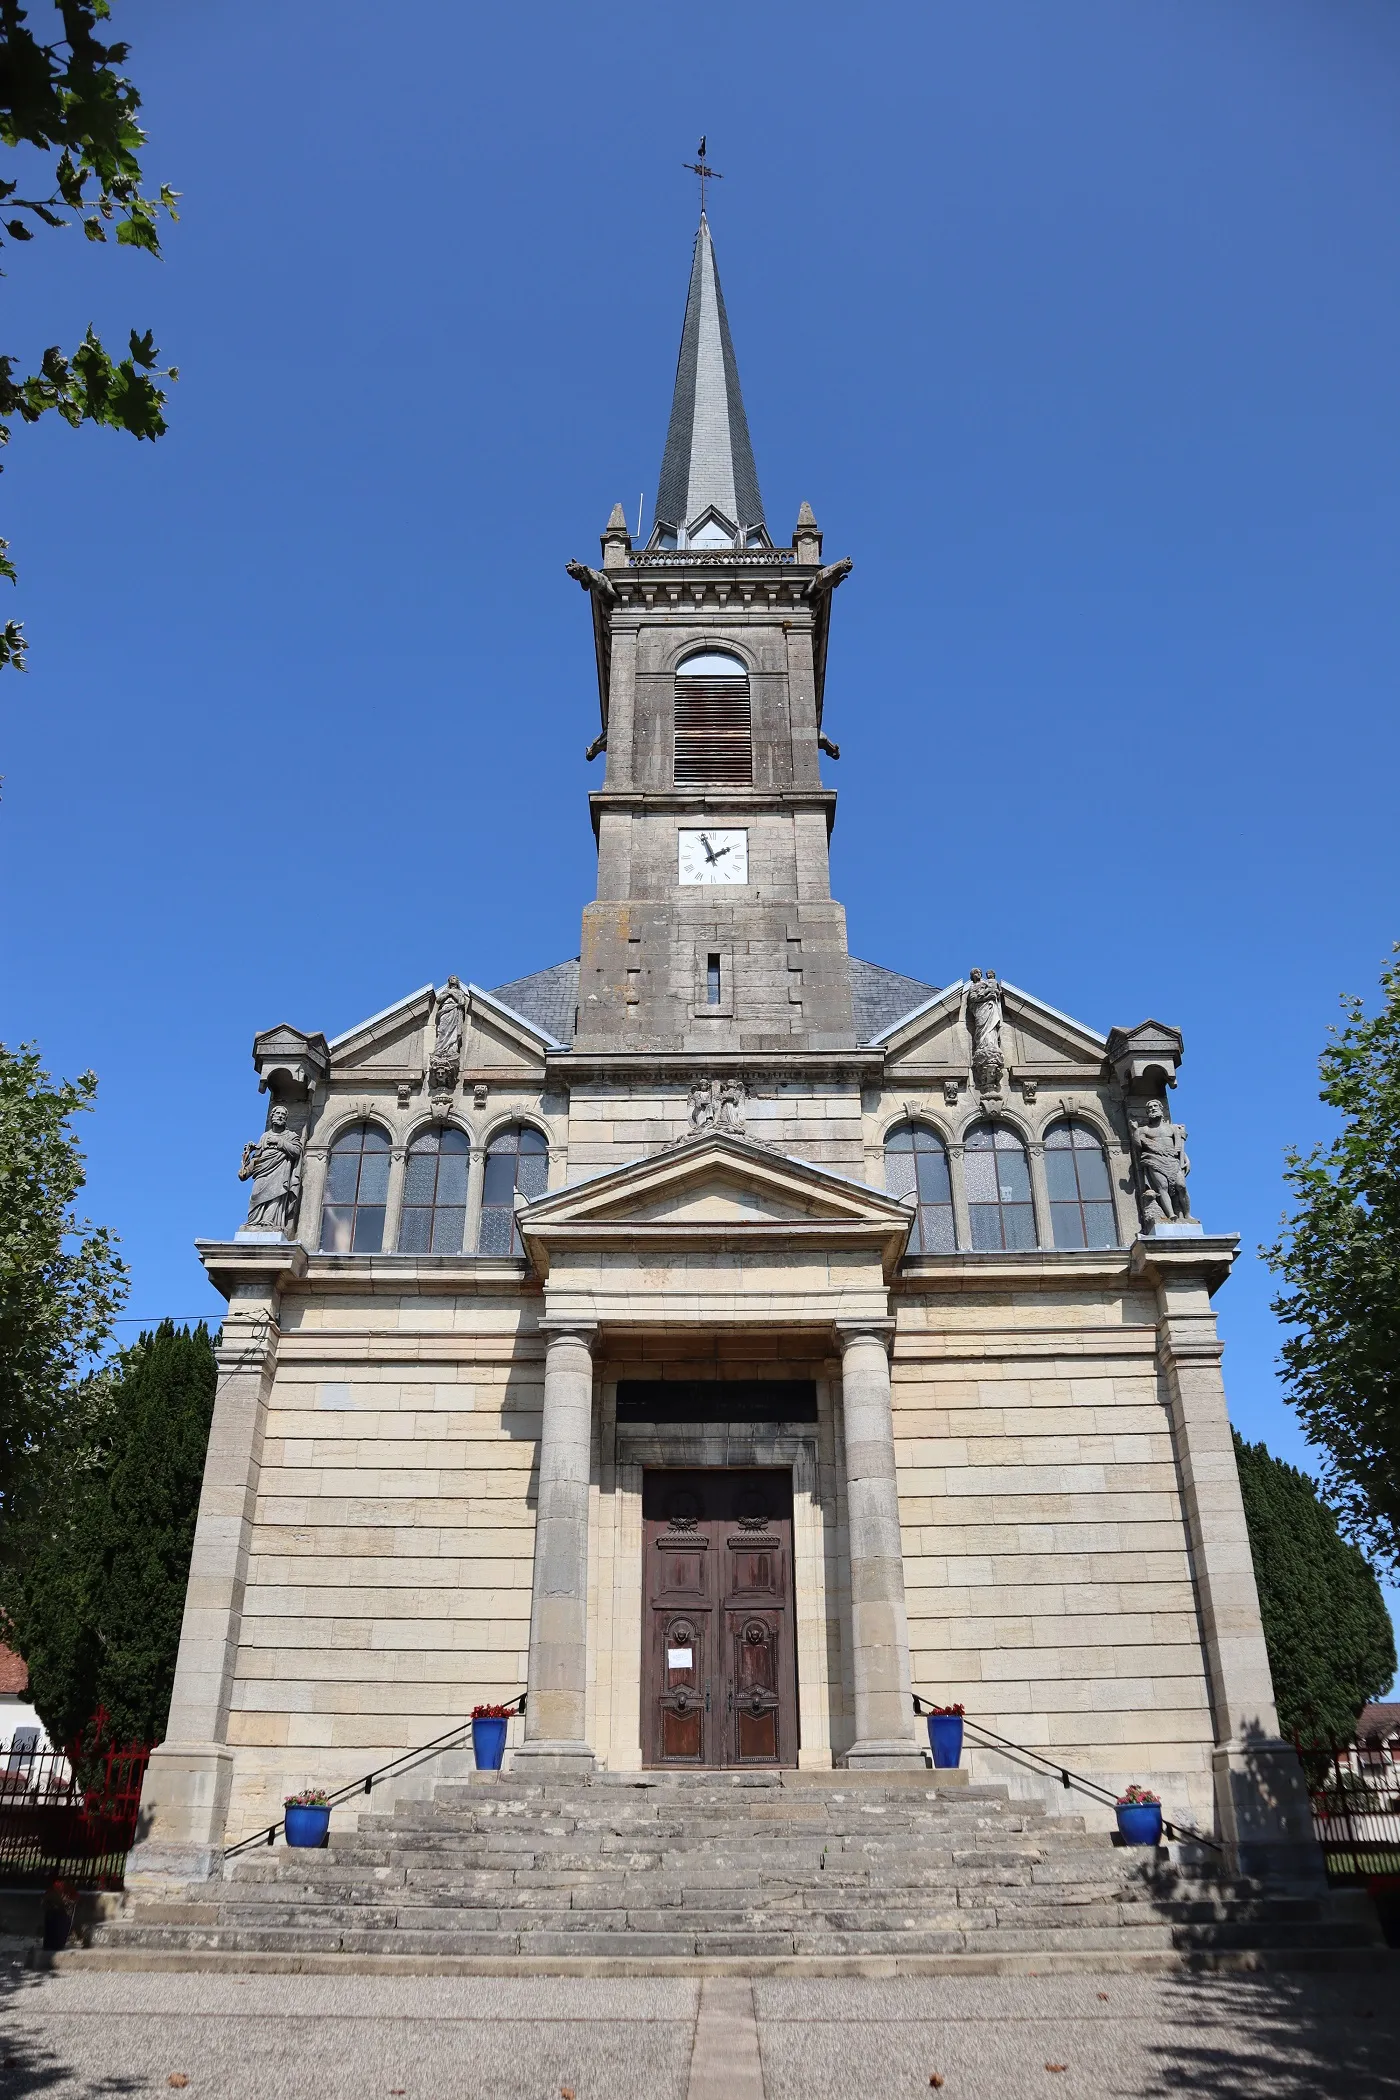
626 1450
715 1239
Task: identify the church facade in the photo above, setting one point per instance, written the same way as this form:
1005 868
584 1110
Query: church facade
717 1336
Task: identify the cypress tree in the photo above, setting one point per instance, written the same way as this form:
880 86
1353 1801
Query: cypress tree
1329 1636
97 1563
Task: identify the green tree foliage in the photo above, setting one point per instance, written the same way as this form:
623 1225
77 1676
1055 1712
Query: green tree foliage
61 1279
93 1587
1339 1254
67 106
1330 1642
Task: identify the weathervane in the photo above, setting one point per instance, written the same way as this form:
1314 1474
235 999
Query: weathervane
698 167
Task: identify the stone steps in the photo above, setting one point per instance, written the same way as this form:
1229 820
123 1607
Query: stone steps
830 1867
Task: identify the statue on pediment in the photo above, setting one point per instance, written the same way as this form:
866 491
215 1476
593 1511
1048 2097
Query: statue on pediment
984 1026
731 1107
450 1025
1159 1155
273 1164
704 1105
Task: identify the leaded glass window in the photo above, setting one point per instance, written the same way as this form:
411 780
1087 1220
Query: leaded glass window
357 1188
1081 1195
517 1158
916 1162
998 1189
435 1192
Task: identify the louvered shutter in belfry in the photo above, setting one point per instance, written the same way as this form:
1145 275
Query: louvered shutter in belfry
714 740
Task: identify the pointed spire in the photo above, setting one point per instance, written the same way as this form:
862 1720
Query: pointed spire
708 458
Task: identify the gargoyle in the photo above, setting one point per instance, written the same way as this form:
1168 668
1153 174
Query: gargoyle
827 579
594 581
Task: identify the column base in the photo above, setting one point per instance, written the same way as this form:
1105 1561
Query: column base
546 1759
894 1756
184 1808
1261 1799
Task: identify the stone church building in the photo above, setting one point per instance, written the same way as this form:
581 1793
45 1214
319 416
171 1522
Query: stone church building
719 1337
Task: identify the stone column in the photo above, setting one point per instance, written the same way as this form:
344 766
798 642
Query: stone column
184 1803
879 1620
555 1716
1261 1798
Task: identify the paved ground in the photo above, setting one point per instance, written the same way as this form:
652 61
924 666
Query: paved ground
437 2038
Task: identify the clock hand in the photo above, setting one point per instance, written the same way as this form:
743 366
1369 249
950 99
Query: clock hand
721 850
709 849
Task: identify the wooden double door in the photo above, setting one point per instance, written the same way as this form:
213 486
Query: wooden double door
719 1675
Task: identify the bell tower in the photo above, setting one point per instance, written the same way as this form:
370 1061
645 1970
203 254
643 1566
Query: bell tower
714 928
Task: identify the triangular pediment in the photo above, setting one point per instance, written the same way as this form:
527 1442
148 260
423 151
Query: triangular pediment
1035 1035
716 1184
390 1039
400 1038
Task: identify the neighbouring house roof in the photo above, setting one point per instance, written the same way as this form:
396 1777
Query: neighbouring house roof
1378 1722
14 1674
882 997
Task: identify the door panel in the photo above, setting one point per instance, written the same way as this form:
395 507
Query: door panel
719 1680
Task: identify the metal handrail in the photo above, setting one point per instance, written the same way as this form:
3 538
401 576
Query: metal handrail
1068 1779
514 1705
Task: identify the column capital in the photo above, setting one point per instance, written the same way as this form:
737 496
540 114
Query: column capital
875 1330
584 1331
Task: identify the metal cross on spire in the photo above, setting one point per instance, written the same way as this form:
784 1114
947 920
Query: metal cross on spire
698 167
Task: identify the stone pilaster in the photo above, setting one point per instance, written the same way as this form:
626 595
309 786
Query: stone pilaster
1261 1798
879 1620
184 1802
555 1709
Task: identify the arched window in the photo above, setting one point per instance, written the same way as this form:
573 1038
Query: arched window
998 1188
916 1161
517 1158
714 734
435 1193
357 1186
1081 1195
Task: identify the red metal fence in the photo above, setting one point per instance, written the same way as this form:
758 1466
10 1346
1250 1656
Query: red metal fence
70 1814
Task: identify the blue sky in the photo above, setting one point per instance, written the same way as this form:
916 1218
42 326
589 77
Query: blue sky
1079 329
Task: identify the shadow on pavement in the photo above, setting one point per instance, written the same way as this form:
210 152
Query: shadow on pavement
1288 2036
28 2066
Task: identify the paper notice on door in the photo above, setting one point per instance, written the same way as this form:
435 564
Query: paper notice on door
678 1658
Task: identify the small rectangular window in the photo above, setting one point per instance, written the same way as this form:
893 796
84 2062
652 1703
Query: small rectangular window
714 990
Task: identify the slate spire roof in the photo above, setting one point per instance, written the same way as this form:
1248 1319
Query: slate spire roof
708 460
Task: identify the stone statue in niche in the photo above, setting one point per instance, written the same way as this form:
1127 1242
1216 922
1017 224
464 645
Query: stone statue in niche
273 1164
1159 1155
984 1026
731 1107
449 1024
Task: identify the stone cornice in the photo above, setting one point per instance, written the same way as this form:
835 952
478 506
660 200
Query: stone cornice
568 1067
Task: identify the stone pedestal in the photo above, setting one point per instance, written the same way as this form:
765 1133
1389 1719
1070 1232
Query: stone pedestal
879 1620
1260 1793
184 1802
555 1709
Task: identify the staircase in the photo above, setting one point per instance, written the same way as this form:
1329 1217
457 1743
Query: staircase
872 1872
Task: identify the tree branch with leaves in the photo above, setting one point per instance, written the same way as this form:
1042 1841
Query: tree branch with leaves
1339 1254
67 102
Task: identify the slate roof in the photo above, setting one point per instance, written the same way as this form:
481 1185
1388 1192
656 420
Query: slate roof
881 997
708 457
1378 1721
550 998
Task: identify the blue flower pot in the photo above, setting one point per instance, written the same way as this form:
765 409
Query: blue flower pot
488 1744
945 1733
307 1826
1141 1823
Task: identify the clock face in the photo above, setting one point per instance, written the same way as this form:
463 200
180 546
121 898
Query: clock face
713 856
